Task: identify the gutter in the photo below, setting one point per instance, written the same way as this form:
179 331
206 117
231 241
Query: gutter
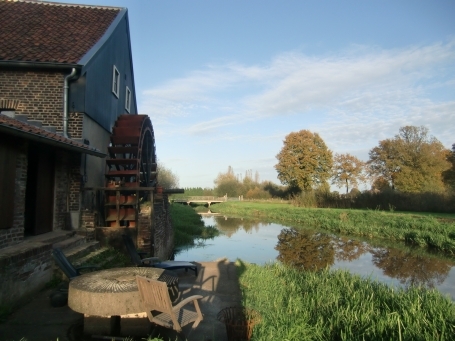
65 100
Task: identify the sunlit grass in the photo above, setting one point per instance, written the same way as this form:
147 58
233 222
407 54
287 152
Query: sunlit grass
335 305
426 231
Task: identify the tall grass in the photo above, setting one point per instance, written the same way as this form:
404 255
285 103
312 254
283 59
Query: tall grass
414 202
188 225
335 305
425 231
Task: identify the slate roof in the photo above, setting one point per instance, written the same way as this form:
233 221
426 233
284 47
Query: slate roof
52 32
15 127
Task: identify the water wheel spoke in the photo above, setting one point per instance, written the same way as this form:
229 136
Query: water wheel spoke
130 164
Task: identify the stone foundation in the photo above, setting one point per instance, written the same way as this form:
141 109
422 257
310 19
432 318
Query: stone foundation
24 270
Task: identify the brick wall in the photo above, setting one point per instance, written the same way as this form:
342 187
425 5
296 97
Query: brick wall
15 234
67 178
75 125
144 229
75 179
67 190
88 219
40 94
40 97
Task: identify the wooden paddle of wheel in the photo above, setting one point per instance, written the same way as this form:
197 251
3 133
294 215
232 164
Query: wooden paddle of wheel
131 164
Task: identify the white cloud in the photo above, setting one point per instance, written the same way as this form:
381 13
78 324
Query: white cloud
352 99
362 81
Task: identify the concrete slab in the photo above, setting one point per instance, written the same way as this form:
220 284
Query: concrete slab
39 321
217 281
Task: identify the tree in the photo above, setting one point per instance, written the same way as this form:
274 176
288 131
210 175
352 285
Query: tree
380 184
304 162
384 162
227 183
449 174
348 171
166 178
412 161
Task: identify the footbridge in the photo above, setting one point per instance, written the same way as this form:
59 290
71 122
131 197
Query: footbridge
204 199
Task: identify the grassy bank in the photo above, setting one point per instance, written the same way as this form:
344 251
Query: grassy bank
426 231
335 305
188 225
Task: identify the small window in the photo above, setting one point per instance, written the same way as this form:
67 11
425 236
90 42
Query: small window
115 82
128 99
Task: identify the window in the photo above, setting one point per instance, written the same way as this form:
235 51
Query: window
116 82
128 99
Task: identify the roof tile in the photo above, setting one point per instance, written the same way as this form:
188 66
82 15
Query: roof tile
51 32
19 126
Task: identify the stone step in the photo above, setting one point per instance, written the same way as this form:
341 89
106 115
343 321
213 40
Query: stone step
69 243
78 251
74 250
88 258
89 233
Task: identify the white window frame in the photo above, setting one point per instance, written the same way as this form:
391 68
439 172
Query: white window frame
127 99
116 82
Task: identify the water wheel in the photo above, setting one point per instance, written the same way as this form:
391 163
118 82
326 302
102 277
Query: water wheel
131 163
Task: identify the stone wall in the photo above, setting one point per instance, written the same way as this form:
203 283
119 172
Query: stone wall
156 239
24 270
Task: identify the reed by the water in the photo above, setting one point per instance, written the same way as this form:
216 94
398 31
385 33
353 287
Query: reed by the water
188 225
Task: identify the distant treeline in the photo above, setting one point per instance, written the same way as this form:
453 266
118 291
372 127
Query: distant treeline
195 192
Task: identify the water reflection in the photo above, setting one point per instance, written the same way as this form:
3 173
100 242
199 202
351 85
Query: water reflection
314 250
229 226
260 242
306 250
411 269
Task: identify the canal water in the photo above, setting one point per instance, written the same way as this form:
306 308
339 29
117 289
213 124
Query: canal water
259 242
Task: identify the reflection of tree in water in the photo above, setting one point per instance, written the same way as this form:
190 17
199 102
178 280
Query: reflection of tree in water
349 249
313 250
229 226
411 269
305 249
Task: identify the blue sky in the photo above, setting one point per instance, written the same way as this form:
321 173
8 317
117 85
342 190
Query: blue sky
225 81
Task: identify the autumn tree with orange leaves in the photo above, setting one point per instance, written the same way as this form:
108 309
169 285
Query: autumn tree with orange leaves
304 162
348 171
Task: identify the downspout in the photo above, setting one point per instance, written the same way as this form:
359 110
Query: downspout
65 101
